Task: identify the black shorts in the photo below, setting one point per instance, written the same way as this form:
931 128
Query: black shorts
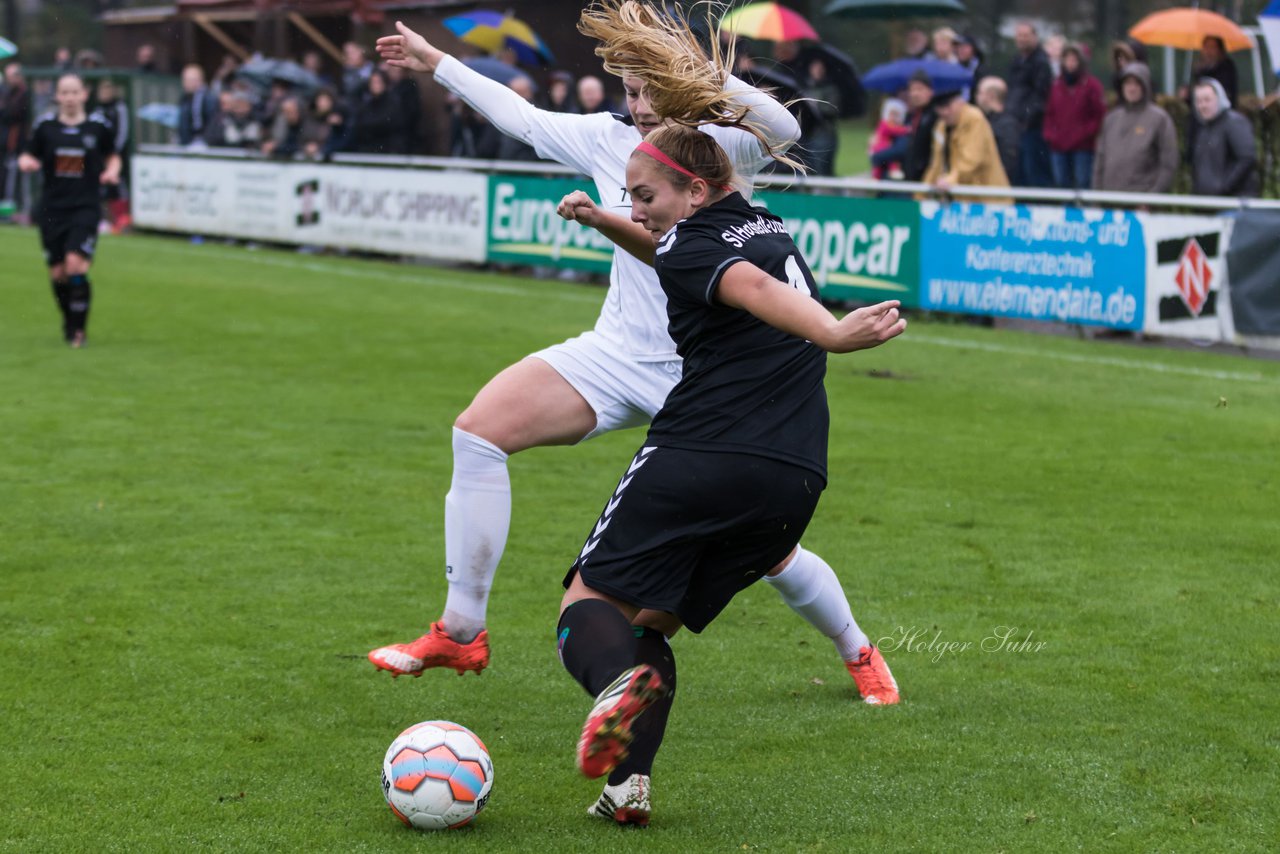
685 531
68 230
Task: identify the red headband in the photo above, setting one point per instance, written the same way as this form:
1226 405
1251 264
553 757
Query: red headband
654 152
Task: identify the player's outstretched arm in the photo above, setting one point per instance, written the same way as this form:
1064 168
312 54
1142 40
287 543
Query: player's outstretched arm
111 174
634 238
746 286
556 136
409 50
28 163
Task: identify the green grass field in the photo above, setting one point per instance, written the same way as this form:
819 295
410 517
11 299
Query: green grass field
851 156
214 511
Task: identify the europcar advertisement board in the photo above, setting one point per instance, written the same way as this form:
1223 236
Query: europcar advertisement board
524 227
858 249
1073 265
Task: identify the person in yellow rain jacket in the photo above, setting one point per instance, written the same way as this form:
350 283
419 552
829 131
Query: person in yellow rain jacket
964 150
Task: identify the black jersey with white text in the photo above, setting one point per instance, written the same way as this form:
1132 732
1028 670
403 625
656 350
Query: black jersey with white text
747 387
72 158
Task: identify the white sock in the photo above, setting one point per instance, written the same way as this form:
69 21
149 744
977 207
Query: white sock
477 516
809 585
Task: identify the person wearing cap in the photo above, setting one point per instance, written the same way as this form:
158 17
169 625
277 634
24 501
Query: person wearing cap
964 149
1072 119
923 121
1224 156
911 151
1138 146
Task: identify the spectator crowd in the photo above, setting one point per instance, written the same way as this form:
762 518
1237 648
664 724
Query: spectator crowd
1046 122
284 109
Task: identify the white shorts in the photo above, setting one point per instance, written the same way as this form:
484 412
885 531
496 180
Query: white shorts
623 392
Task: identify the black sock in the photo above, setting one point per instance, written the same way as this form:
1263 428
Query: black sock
60 296
79 295
596 644
652 649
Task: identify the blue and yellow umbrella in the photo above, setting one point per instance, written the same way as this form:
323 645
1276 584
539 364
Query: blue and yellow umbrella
494 32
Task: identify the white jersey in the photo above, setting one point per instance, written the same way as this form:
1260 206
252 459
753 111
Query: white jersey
634 316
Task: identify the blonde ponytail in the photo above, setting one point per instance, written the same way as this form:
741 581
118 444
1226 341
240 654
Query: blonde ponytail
681 81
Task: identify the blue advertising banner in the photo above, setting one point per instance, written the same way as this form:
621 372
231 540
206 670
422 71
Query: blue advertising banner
1072 265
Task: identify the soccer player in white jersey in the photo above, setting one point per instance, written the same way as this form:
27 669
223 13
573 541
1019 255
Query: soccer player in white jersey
609 378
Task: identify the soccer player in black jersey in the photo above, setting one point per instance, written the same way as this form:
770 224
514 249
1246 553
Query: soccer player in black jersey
730 473
76 154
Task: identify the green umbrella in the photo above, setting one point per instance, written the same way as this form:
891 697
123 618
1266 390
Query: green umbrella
889 9
7 48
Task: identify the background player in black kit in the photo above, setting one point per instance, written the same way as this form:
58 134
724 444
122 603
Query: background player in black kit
733 465
76 154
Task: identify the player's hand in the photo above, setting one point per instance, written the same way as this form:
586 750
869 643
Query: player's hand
409 50
578 207
28 163
869 327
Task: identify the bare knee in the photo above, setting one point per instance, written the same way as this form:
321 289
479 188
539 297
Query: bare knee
57 271
785 561
473 420
579 591
659 621
76 265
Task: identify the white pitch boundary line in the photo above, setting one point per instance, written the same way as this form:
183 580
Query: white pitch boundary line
268 258
314 266
1109 361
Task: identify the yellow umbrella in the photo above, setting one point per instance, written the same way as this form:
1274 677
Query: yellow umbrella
1186 29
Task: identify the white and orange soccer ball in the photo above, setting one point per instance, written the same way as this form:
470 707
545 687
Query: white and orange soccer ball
437 775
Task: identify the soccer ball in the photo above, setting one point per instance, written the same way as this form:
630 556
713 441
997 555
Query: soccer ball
437 775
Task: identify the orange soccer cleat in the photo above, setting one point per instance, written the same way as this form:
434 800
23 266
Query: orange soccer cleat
875 683
607 732
434 649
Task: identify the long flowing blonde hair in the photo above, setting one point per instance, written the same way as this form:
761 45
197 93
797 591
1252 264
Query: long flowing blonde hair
682 83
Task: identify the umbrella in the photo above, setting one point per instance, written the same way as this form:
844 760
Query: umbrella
1186 29
894 76
776 79
494 32
1269 21
843 72
264 72
768 22
894 8
7 48
161 114
494 69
